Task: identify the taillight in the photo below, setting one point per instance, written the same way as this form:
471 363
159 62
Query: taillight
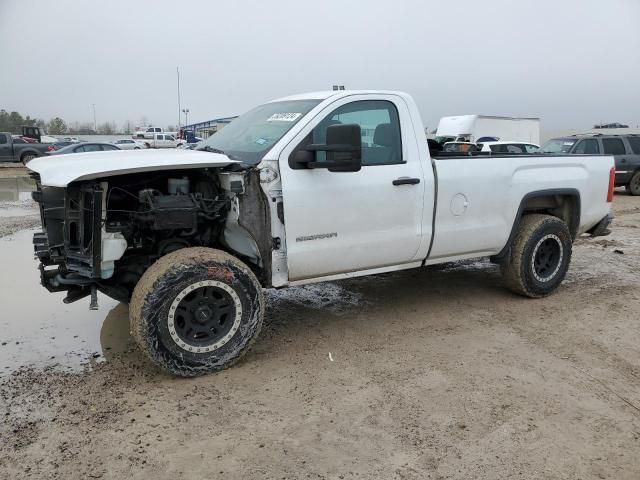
50 148
612 183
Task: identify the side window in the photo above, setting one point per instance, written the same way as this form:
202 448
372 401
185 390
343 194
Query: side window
613 146
587 146
500 148
634 142
158 129
515 149
531 148
90 148
379 130
169 137
109 147
3 138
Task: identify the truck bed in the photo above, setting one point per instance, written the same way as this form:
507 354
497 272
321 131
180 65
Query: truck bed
478 196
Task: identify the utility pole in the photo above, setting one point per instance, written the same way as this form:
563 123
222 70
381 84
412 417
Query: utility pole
178 73
95 124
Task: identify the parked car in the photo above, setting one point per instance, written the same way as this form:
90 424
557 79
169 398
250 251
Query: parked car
128 144
508 147
304 189
624 148
19 150
84 147
59 145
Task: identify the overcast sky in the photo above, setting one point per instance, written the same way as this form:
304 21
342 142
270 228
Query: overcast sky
571 62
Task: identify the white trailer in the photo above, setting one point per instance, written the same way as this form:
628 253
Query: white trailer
472 128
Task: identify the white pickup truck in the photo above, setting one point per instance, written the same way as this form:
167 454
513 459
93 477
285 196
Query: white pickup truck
161 140
307 188
148 132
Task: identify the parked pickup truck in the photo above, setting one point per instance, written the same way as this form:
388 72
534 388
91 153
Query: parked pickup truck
149 132
18 150
307 188
162 140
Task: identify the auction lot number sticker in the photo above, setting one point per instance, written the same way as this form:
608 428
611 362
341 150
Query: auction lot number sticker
284 117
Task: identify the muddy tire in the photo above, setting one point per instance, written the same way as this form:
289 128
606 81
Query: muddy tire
633 187
196 311
539 257
27 157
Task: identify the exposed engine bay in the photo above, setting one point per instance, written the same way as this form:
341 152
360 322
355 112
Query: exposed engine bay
101 235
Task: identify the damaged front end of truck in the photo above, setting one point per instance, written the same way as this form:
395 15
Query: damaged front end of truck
102 229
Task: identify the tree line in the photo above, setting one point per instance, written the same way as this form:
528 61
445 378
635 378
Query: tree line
14 121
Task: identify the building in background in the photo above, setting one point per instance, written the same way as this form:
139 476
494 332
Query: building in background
208 128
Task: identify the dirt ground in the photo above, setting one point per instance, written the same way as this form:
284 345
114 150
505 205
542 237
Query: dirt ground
432 373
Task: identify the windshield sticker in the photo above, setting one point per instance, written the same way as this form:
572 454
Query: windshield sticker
261 141
284 117
568 143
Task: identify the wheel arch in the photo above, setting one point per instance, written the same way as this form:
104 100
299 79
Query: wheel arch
29 151
563 203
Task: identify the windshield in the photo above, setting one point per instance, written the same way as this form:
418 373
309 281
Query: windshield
559 145
250 136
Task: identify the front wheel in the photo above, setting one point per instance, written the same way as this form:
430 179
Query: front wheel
27 157
196 311
633 187
539 257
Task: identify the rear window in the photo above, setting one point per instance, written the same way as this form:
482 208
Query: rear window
507 148
3 138
635 144
613 146
560 145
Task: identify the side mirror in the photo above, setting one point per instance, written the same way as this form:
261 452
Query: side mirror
346 152
343 147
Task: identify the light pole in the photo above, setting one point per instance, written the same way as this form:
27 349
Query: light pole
186 116
95 124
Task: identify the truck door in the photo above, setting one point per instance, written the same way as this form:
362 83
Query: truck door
339 222
6 150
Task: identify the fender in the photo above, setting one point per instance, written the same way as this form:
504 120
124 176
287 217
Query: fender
574 221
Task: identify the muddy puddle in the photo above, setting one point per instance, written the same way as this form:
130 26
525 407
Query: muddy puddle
37 329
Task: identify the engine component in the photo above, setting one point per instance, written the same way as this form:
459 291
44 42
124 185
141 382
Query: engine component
113 247
167 212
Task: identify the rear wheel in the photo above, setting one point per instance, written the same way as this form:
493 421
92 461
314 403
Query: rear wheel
633 187
540 256
27 157
196 310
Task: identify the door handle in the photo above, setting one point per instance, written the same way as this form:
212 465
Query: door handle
406 181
